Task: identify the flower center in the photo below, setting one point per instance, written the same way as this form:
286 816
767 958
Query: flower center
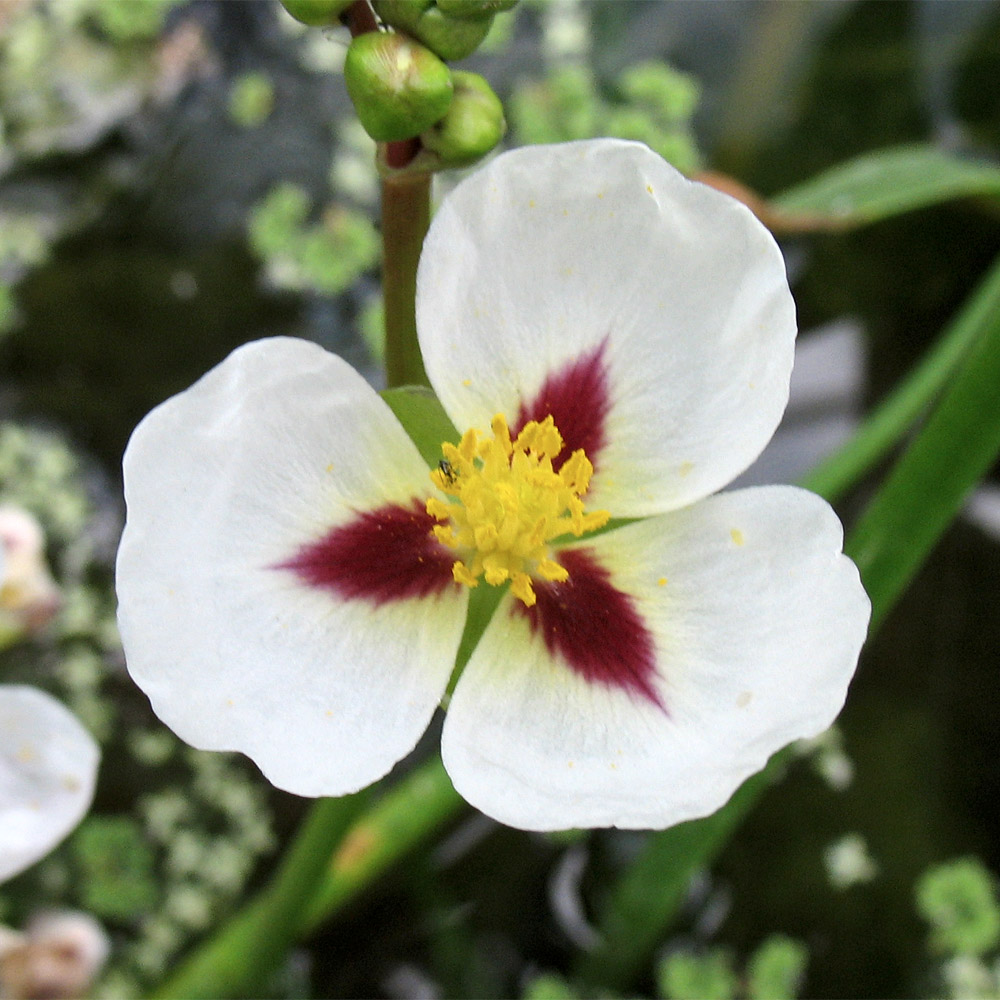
510 504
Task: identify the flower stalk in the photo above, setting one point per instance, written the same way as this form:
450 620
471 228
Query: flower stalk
406 216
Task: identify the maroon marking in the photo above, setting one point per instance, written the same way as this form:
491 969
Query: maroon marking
578 400
388 554
594 627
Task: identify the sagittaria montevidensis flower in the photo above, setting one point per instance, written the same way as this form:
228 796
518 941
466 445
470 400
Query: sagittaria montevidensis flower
615 344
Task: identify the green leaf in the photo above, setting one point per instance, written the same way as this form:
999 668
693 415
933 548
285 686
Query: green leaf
115 868
908 514
549 986
423 418
886 426
929 485
890 182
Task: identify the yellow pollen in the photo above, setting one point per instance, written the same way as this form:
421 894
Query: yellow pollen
508 504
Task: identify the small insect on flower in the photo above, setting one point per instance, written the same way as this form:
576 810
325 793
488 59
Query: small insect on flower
448 471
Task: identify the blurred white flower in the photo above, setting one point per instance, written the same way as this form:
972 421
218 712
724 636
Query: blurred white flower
48 767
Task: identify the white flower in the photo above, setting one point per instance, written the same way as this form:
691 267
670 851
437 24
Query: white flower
48 765
293 583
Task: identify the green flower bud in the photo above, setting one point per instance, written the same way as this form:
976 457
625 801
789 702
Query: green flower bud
474 9
402 14
449 37
316 12
473 125
398 88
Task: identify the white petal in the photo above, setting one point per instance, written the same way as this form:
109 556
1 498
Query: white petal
534 261
757 629
48 766
269 451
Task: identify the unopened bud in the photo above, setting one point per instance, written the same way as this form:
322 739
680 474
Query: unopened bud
29 597
316 12
449 37
398 87
473 125
59 956
474 9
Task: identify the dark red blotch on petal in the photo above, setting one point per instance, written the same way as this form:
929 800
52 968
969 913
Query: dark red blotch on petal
578 400
382 555
594 627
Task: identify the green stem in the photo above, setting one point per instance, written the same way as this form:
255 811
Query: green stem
407 815
406 215
242 957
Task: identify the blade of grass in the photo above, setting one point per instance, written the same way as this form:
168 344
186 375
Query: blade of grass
930 483
888 423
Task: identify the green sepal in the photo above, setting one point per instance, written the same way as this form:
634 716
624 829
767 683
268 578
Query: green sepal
317 13
472 126
483 603
398 87
449 37
424 420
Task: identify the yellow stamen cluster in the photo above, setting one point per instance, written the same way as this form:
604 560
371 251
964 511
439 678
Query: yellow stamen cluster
511 504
